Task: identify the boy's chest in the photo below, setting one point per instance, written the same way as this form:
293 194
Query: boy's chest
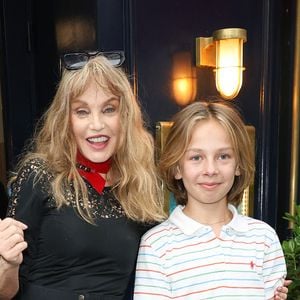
206 265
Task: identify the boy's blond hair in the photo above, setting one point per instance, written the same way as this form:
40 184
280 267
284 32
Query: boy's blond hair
179 138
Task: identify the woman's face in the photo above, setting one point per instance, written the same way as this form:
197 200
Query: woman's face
95 122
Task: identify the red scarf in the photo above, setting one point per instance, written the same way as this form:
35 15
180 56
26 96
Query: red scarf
90 171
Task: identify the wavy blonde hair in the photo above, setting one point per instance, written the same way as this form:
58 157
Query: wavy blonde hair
136 183
180 136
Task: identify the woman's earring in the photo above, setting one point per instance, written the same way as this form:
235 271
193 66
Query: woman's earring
237 171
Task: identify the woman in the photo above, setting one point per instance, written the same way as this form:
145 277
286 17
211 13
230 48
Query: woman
87 189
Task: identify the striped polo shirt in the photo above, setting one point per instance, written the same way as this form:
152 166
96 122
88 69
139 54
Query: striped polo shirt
183 259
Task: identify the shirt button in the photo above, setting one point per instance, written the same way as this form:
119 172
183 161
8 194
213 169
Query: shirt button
81 297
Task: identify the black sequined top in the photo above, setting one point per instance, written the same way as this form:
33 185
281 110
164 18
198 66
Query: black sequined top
64 251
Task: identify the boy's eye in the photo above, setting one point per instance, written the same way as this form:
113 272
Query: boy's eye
195 157
224 156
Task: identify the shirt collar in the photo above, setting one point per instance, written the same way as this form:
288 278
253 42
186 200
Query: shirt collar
239 222
189 226
186 224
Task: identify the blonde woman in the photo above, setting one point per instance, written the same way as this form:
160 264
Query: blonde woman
87 189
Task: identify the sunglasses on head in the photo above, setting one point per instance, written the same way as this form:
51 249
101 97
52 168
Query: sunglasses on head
77 60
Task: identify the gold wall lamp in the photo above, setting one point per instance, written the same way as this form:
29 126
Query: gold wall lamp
224 52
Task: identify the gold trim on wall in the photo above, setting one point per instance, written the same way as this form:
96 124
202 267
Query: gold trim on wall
162 130
247 204
161 133
295 118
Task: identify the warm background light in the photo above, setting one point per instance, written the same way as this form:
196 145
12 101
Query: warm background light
229 67
184 90
183 78
223 51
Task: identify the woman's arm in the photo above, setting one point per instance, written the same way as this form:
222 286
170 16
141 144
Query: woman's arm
9 283
11 246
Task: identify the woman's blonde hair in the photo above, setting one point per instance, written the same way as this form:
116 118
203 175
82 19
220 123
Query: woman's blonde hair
136 182
180 136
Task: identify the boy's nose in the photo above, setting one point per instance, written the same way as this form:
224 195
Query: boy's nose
210 168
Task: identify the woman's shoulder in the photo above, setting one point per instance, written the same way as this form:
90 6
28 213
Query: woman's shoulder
34 166
35 163
32 170
30 187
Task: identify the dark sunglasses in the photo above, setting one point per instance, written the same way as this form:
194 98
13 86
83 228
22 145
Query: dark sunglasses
77 60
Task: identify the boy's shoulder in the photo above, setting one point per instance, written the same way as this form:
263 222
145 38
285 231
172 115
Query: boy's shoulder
256 224
161 238
167 233
159 230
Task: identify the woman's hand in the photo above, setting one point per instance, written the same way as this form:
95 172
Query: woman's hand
11 246
11 242
282 291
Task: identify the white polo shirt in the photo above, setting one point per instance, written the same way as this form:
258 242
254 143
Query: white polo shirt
183 259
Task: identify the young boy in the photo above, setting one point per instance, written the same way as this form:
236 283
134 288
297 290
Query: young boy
206 250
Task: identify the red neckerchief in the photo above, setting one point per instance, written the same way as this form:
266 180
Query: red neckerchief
90 171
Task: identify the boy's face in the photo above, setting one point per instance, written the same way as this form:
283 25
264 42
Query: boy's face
209 165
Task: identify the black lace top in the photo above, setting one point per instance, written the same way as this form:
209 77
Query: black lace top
66 252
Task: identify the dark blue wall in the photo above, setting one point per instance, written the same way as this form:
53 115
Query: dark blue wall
150 33
164 27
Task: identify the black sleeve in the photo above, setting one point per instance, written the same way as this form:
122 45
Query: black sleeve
29 193
3 200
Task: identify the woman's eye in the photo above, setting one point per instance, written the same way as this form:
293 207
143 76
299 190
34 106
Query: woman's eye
81 112
109 109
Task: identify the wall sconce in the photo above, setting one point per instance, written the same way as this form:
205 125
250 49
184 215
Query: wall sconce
184 79
224 52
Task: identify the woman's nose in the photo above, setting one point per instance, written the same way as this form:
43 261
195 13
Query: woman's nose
96 123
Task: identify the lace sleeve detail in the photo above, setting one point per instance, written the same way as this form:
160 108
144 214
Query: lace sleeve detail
33 181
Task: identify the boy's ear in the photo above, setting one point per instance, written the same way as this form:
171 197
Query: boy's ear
178 173
237 171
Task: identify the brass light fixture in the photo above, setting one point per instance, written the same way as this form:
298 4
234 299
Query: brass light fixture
224 52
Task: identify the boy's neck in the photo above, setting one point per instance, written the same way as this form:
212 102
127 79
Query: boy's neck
209 214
